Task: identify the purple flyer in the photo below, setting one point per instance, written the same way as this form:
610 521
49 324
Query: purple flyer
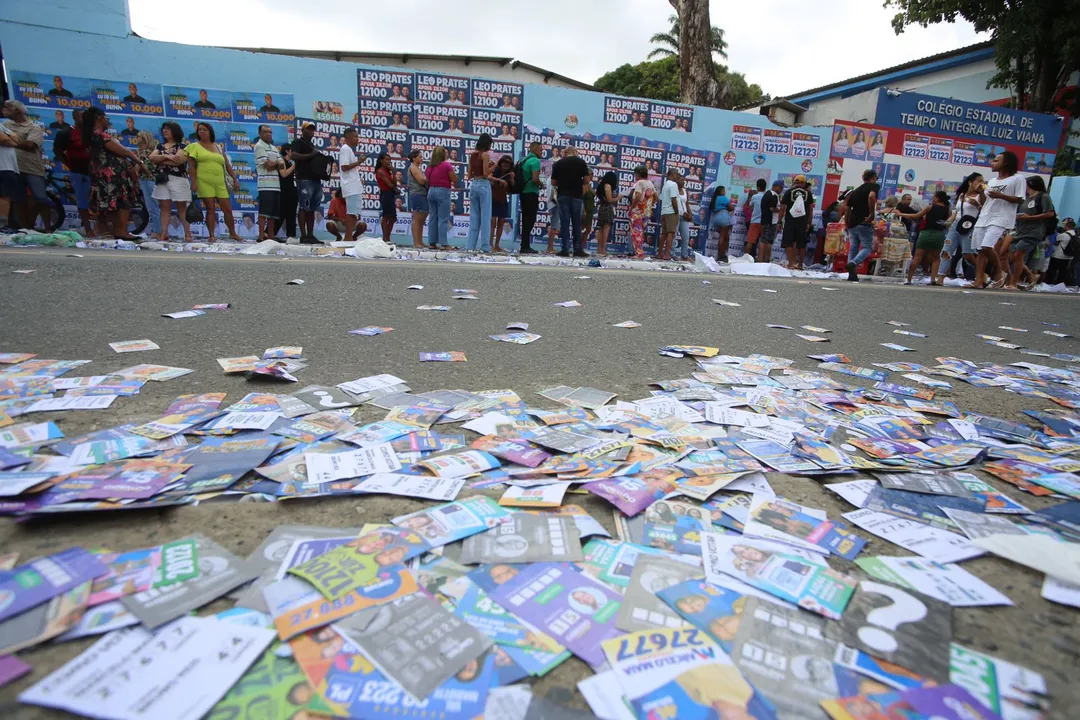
568 605
40 580
12 668
948 702
634 493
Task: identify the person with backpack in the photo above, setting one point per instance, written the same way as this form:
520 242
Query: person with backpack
1063 255
858 209
69 149
797 209
527 184
1035 219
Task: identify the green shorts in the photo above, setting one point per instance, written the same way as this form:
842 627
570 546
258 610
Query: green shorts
211 187
931 240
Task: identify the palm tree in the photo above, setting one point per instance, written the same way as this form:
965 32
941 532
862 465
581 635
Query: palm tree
669 41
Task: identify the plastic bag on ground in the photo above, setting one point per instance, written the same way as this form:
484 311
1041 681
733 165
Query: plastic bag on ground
705 264
760 270
371 247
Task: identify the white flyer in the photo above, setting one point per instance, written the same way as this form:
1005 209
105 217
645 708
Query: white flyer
854 491
761 507
245 421
948 583
459 465
369 384
663 407
14 483
87 402
178 673
1039 552
719 414
78 382
417 486
603 692
1061 592
929 542
327 467
754 483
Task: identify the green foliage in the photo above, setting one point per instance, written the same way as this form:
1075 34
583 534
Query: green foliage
669 41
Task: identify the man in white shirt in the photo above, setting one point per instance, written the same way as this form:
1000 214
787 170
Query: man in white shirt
9 175
1000 197
669 214
352 187
267 163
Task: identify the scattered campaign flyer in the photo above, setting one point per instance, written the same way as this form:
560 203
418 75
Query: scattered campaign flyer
98 402
99 452
643 607
519 453
713 609
924 483
184 314
44 622
126 346
1010 690
776 569
776 456
948 702
274 687
948 583
791 523
238 364
416 486
633 493
445 524
525 538
572 608
218 462
543 496
219 572
647 659
178 673
702 692
284 351
926 541
40 580
327 467
129 572
371 330
920 507
419 644
358 562
464 464
447 356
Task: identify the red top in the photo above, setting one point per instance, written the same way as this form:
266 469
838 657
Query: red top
338 209
385 178
439 175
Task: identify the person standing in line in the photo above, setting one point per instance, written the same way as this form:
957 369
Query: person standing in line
170 159
114 191
642 200
388 191
10 184
352 187
609 197
753 229
858 211
28 140
502 180
145 143
480 169
588 204
770 221
441 177
797 209
1065 249
568 176
554 217
418 197
999 199
530 197
288 194
308 182
69 149
966 208
1033 219
208 166
684 220
932 239
669 214
267 164
718 217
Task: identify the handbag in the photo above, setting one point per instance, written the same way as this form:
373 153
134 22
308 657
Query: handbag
194 213
161 177
966 223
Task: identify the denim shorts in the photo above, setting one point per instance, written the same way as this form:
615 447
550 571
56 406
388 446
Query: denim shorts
309 195
81 185
418 202
35 184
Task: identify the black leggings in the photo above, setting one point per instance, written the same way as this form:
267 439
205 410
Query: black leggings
288 214
530 204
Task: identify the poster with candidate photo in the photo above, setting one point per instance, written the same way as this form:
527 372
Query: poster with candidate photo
263 107
498 124
386 114
127 98
442 89
451 119
392 85
39 90
198 103
626 111
497 95
665 116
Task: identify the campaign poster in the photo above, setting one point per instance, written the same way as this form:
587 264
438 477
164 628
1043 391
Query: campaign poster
499 125
805 145
601 154
940 149
1039 162
743 179
985 153
849 142
38 90
500 148
496 95
645 153
372 141
263 107
427 142
451 119
776 142
386 114
198 103
327 134
388 85
963 153
878 138
664 116
328 110
745 137
127 98
126 128
916 146
626 111
441 89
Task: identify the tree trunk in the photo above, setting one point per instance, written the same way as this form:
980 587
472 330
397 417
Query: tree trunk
697 81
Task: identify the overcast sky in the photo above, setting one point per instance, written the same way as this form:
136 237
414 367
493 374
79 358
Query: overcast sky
784 46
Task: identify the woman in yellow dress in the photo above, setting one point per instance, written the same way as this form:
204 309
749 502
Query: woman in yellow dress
208 165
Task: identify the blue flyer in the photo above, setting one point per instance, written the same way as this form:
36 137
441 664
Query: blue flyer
710 608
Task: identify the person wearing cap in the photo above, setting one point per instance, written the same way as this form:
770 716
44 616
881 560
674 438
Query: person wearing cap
308 183
1063 255
797 209
770 220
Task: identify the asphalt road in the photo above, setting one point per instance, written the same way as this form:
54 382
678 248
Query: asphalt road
71 308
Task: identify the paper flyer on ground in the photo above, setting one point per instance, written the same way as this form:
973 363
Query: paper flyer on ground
445 524
525 538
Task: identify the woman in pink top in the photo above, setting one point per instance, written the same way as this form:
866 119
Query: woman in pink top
441 177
